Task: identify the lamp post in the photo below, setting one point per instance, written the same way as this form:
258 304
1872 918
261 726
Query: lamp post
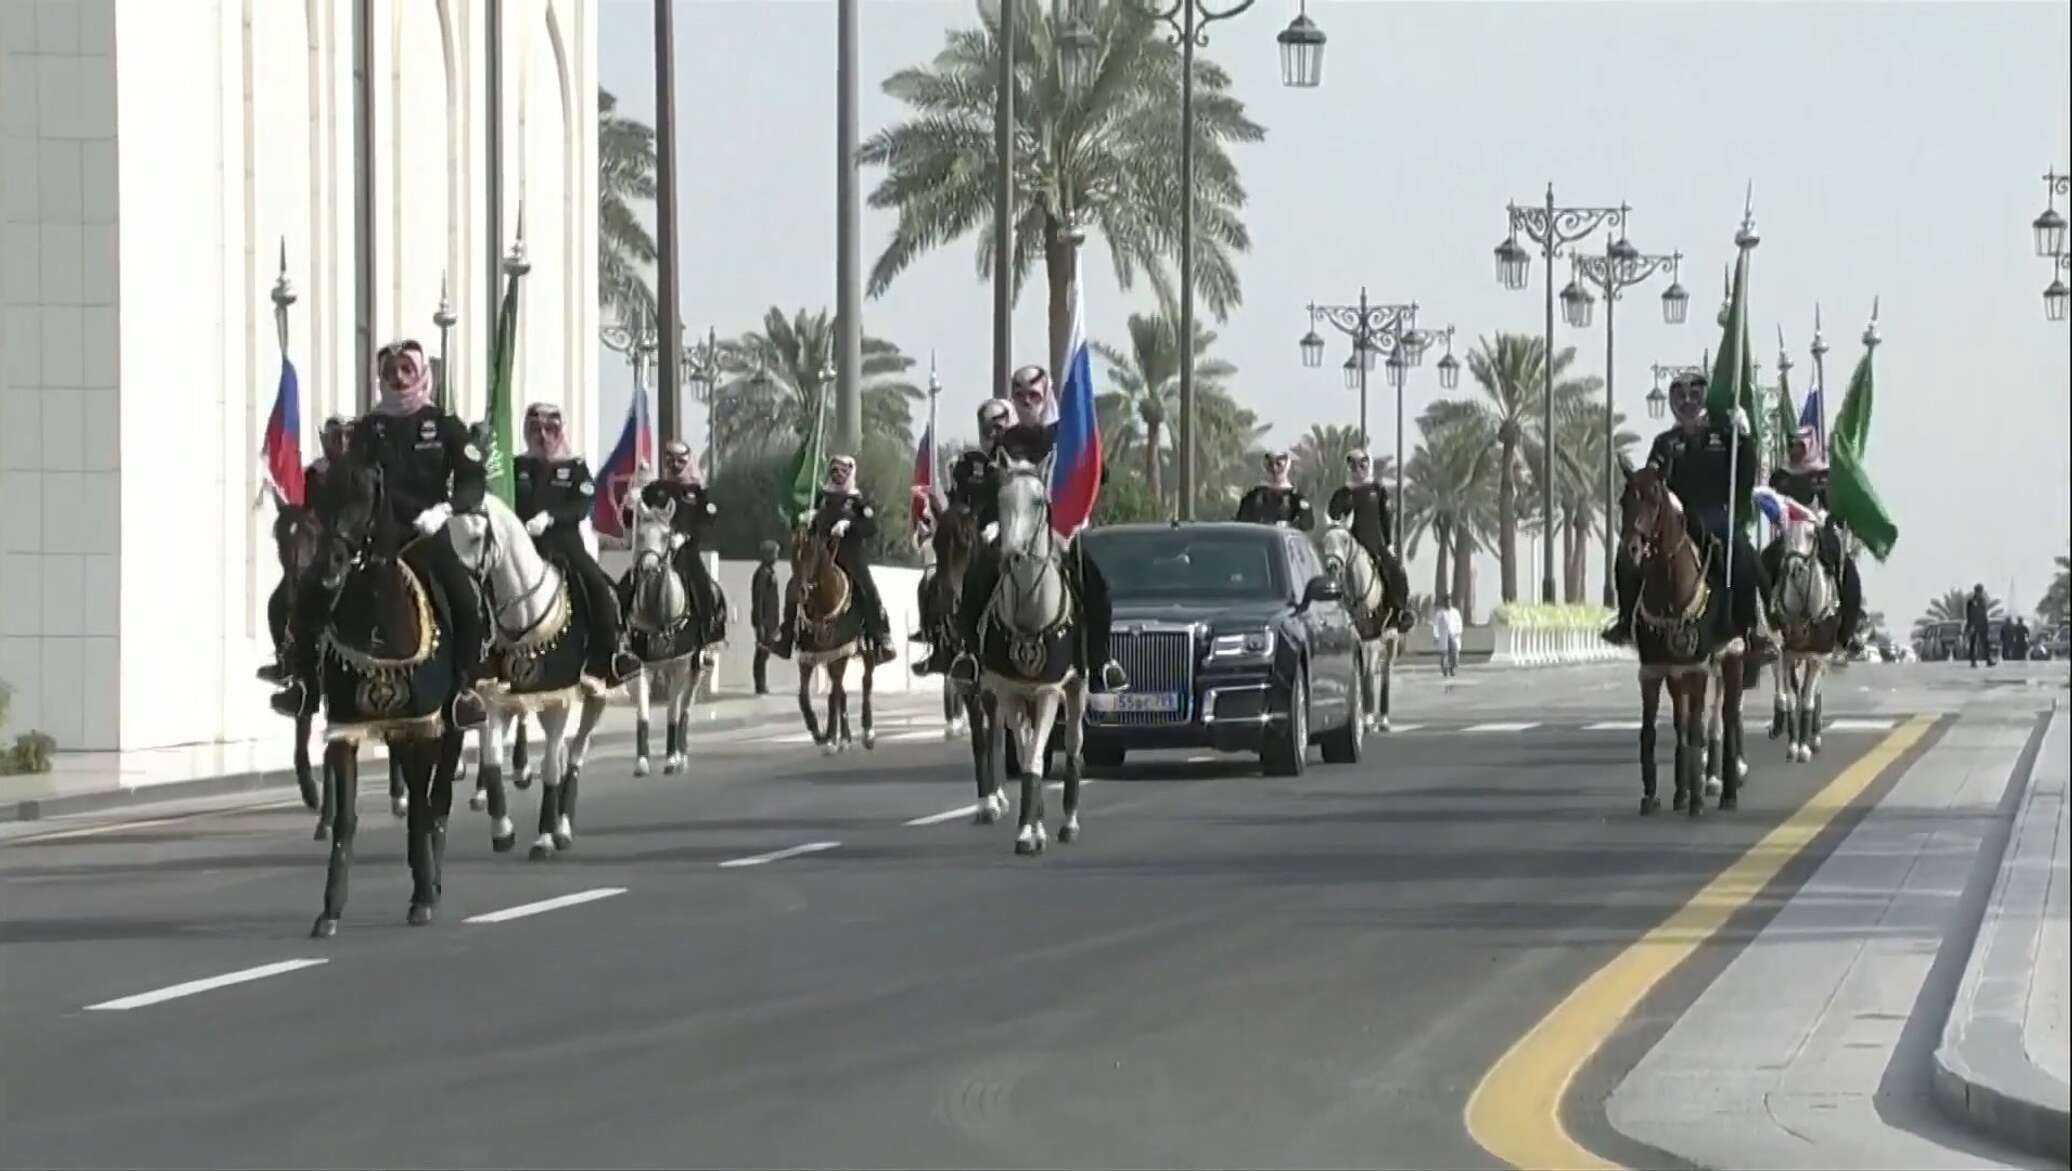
701 372
1374 329
2055 294
1302 67
1620 268
638 343
1409 353
445 319
1658 402
1552 228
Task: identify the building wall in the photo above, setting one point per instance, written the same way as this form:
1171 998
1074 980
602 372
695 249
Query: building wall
158 161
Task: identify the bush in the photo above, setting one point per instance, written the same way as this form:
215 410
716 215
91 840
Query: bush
1537 616
31 751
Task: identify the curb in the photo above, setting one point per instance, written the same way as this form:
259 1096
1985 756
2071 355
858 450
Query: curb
1982 1073
282 780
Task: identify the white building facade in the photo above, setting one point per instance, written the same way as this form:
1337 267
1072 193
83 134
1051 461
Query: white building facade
155 158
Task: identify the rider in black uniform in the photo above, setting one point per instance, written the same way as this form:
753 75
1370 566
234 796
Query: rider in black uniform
1030 438
1367 504
1804 479
315 501
555 492
1277 501
695 512
1693 457
851 519
430 470
968 480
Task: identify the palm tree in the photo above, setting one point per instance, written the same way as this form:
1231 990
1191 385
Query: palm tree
1579 463
1146 379
1104 156
1319 462
1950 607
2056 604
1448 489
1229 441
626 177
772 386
1510 370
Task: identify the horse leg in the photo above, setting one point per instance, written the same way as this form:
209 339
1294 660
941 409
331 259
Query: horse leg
479 799
806 705
1780 703
1030 839
521 754
640 722
1815 716
1695 730
399 790
554 772
304 779
985 753
1731 732
684 693
837 708
341 760
1388 681
417 765
1650 706
327 800
1678 717
870 737
489 764
1075 746
1715 761
442 810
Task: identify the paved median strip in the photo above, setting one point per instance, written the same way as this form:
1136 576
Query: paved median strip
192 987
778 855
524 910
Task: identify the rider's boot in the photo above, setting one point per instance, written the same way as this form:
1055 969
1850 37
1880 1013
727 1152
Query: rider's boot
295 700
881 636
275 671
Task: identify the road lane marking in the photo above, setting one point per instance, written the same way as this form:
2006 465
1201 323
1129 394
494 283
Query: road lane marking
1613 726
1853 725
1515 1111
544 905
1500 727
109 827
191 987
778 855
1399 729
945 815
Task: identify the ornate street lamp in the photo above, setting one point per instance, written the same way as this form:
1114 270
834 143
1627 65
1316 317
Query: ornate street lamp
1553 228
1078 48
2056 295
1374 330
1312 343
701 371
2050 226
1397 365
1576 304
1352 373
1302 52
1658 403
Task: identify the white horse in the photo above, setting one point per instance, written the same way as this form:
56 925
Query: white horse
1807 621
1365 595
1027 654
658 618
535 634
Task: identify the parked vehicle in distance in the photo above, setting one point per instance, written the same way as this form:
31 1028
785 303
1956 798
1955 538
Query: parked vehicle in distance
1234 638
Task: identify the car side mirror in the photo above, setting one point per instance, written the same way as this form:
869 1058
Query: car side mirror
1322 588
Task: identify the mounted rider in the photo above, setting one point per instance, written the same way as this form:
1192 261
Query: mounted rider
1366 503
430 470
844 515
1025 433
1277 501
968 479
555 492
1693 457
316 501
695 512
1804 479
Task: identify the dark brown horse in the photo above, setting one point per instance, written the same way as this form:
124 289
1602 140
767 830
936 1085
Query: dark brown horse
1676 631
297 540
829 635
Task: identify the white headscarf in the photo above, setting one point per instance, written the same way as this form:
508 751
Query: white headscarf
1279 479
1358 473
834 489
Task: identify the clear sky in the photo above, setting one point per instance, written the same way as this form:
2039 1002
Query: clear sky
1896 150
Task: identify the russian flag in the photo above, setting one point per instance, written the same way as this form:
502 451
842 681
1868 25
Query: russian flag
1782 510
282 450
925 492
1811 415
634 451
1075 472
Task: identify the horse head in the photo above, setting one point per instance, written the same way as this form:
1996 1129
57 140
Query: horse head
297 538
823 587
1024 504
361 527
659 599
1650 515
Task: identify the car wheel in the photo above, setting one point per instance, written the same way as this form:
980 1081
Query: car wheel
1344 746
1287 750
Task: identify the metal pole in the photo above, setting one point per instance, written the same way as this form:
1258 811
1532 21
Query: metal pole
708 368
363 205
1187 490
1396 511
848 249
1611 298
1547 415
669 330
444 318
1361 339
493 167
1003 206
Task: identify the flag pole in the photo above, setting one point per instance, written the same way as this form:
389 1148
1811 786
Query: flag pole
1819 381
1745 239
283 295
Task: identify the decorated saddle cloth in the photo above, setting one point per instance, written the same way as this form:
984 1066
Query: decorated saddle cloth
1044 657
372 690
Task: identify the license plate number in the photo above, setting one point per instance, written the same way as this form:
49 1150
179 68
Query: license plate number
1139 701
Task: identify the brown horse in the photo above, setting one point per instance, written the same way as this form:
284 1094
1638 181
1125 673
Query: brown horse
830 630
1676 624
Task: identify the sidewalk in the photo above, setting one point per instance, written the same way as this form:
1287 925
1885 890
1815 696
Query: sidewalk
2001 1067
1814 1046
84 782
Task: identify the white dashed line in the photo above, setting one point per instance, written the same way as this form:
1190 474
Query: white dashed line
1500 727
1859 725
945 815
544 905
778 855
1613 726
192 987
1399 729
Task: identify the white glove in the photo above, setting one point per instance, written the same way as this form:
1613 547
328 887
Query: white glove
990 533
676 541
538 524
841 529
711 509
432 519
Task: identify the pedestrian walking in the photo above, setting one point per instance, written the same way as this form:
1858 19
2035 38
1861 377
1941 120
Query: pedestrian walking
1446 631
763 613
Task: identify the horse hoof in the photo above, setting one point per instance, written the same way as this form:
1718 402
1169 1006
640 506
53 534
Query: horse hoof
478 800
325 928
640 766
1712 786
420 915
1026 847
400 806
1650 806
323 831
524 779
541 850
1730 801
1384 725
676 763
949 732
564 840
828 748
1696 808
504 844
870 740
1681 800
1741 768
1068 832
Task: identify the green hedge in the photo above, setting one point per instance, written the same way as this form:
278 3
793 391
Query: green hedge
31 751
1537 616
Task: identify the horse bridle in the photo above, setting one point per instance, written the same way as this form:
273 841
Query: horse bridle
1049 558
480 572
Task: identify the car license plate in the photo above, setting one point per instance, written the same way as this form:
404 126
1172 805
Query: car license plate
1140 701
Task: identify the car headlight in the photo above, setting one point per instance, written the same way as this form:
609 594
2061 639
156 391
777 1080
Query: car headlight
1249 644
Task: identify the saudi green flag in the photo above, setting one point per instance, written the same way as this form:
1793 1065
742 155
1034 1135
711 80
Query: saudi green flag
1733 375
496 427
1850 497
804 479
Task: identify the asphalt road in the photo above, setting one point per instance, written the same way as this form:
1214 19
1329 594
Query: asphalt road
1226 970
